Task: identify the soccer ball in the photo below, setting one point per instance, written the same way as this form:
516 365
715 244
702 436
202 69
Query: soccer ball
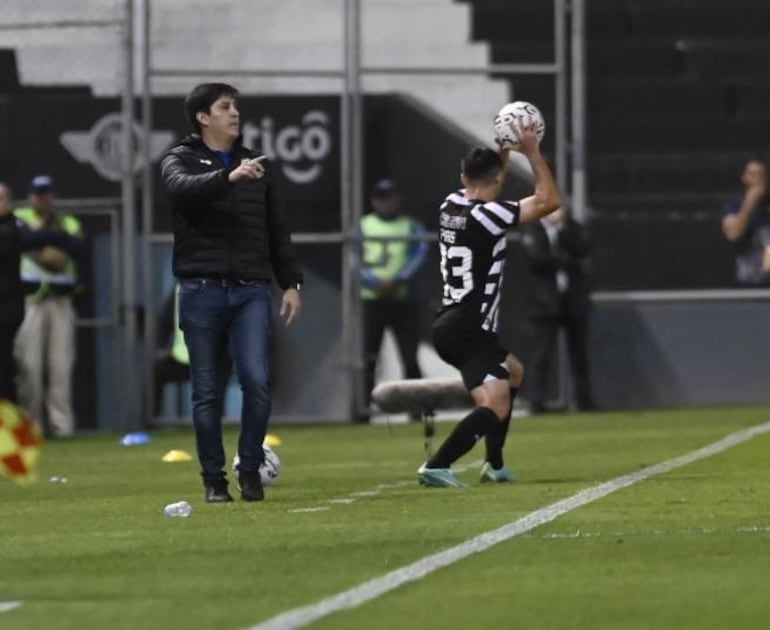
20 443
269 469
512 117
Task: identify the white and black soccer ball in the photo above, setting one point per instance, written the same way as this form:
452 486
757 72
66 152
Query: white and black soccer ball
515 116
269 469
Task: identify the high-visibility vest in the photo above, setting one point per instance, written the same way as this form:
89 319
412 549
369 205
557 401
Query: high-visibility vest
179 351
385 259
31 271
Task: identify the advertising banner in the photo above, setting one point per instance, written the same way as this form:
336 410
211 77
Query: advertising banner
77 139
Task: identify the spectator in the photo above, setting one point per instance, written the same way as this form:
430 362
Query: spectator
557 247
11 294
746 224
230 239
45 344
388 269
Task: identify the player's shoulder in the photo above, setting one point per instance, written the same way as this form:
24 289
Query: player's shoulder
505 203
456 198
496 216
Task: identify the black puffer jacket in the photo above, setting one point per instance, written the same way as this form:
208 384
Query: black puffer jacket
11 294
224 230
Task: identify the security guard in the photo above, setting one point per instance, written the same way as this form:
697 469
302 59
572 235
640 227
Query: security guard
45 344
388 269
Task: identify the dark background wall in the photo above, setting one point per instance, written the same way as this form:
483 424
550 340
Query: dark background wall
677 102
404 141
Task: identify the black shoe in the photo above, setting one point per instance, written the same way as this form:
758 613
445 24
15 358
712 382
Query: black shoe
216 492
250 484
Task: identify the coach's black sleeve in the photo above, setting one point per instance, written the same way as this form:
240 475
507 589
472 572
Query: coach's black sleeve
201 187
283 258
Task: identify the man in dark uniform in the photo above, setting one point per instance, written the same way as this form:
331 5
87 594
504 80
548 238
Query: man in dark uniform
472 241
557 247
11 292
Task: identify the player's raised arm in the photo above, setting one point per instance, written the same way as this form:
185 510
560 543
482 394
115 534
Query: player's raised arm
505 153
546 198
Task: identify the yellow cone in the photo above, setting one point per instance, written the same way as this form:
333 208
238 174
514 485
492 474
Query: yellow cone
272 440
176 456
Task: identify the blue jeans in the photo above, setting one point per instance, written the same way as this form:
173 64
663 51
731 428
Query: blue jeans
211 314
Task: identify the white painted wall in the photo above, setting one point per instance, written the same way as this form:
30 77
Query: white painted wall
243 34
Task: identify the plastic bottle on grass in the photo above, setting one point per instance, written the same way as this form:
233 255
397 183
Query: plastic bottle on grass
180 509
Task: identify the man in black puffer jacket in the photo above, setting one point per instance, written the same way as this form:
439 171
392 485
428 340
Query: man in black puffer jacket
230 240
11 293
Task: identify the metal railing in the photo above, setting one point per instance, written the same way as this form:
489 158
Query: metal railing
351 142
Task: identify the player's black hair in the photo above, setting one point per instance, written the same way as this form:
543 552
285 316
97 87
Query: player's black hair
481 164
202 97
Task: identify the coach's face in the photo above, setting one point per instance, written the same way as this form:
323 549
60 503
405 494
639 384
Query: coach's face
223 119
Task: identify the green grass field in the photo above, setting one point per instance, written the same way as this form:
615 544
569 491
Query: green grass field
689 549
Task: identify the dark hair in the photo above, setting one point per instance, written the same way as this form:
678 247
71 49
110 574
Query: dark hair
481 164
202 97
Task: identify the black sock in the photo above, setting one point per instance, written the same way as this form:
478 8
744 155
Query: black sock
495 439
476 424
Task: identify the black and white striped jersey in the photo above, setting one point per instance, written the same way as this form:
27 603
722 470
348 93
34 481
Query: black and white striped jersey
472 241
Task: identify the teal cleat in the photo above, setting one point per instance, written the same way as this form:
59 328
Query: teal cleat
489 474
438 478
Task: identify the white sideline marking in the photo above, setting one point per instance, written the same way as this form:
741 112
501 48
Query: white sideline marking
353 497
653 533
397 484
302 616
9 606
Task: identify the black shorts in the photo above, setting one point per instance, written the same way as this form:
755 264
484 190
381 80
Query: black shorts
474 351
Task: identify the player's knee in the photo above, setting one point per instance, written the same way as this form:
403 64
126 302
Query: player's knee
515 369
502 406
498 399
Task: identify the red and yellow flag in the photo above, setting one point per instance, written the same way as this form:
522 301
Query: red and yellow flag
20 444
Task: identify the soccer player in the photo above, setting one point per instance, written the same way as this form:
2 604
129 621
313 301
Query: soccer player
472 240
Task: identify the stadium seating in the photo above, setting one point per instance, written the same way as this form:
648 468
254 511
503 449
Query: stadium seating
677 101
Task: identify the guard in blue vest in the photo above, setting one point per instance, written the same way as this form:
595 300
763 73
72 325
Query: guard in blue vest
388 269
